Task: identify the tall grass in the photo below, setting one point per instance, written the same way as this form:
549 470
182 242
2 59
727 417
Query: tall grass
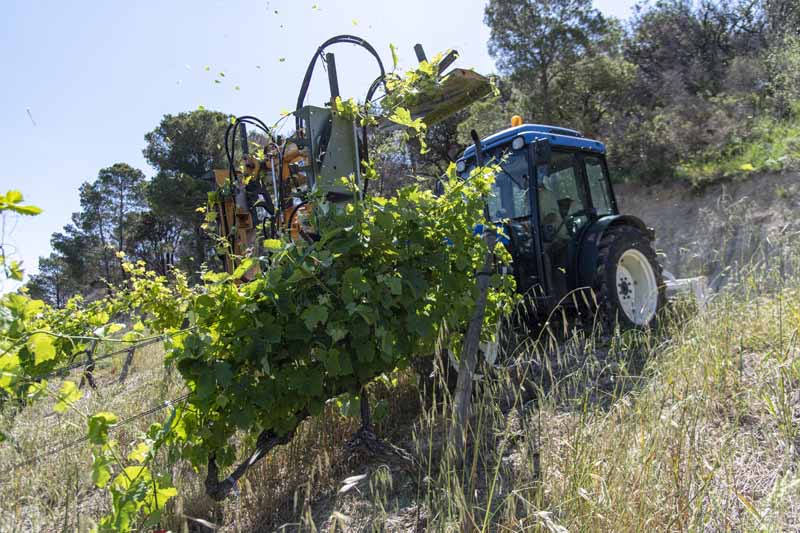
688 427
55 491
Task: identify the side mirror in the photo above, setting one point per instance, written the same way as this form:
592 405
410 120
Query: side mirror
540 151
438 187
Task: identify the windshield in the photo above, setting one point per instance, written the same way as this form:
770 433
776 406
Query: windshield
509 197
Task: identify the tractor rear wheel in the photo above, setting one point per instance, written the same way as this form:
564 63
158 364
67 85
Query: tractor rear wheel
628 283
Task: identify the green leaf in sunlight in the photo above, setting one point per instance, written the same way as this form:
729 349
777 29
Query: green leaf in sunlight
67 395
273 244
13 197
42 346
139 453
244 267
15 271
9 367
98 426
101 471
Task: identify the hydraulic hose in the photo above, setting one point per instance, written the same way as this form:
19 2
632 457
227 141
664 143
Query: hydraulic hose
381 79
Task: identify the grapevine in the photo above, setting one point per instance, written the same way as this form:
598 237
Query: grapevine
388 279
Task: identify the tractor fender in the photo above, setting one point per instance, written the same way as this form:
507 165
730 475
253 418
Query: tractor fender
589 244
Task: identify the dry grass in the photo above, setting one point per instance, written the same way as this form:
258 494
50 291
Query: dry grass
691 427
56 492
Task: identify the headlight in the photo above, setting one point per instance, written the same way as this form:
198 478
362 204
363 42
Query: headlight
518 143
461 166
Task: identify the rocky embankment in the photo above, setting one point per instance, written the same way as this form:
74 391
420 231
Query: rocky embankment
724 225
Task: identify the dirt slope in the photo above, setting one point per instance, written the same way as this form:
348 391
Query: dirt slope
702 232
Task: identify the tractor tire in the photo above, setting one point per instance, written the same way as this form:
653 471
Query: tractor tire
628 283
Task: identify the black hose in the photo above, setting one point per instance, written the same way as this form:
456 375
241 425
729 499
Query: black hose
293 213
351 39
364 130
230 151
381 79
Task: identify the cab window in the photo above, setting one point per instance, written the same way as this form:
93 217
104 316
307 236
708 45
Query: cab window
598 185
563 206
509 196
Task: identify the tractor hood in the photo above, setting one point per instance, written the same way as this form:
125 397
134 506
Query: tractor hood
558 137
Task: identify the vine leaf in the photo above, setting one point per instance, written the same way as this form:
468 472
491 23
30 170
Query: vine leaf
244 267
43 347
316 314
395 59
11 201
15 270
139 453
395 286
223 372
273 244
101 471
68 395
9 367
98 426
336 331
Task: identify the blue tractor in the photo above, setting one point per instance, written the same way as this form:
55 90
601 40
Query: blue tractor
571 247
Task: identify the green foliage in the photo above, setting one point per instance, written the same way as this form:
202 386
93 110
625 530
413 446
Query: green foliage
183 148
783 72
135 491
113 213
387 280
67 395
350 110
411 88
769 146
705 85
405 92
413 127
11 202
393 49
98 425
42 347
685 90
537 41
326 317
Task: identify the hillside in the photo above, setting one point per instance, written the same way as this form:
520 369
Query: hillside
692 426
738 221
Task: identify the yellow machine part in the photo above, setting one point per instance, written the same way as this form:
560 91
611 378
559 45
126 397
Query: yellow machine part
232 218
237 224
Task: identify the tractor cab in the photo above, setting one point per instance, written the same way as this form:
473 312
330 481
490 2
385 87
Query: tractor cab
554 200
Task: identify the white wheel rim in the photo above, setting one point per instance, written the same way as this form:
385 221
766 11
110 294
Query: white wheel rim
637 291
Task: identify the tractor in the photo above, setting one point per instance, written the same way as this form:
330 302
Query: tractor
552 199
555 203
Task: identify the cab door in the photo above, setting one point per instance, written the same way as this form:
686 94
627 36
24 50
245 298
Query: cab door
509 204
564 209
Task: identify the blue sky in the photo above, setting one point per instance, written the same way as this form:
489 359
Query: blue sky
97 75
